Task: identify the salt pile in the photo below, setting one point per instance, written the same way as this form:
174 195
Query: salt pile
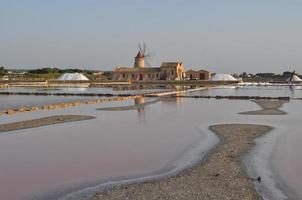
73 77
295 78
222 77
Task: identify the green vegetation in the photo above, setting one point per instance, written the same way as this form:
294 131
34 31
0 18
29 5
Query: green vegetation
58 71
50 73
3 71
53 73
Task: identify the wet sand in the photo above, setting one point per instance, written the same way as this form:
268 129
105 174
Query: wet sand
268 108
57 119
220 176
11 111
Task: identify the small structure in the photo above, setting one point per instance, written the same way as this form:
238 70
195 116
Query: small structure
198 75
222 77
73 77
167 71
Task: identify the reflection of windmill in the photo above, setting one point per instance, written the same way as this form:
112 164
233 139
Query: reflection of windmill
142 57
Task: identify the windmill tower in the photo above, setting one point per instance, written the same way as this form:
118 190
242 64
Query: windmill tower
139 59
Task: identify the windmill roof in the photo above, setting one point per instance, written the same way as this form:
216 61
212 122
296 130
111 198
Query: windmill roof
139 55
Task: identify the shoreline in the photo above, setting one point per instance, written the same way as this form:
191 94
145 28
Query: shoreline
220 175
44 121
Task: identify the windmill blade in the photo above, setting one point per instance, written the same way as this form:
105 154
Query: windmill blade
148 55
147 63
144 48
140 48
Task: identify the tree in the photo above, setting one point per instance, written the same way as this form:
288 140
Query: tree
287 73
3 71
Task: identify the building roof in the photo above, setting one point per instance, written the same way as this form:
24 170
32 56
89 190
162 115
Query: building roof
202 70
170 64
198 71
136 70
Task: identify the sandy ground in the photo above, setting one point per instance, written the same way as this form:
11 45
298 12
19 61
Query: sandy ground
57 119
220 176
268 108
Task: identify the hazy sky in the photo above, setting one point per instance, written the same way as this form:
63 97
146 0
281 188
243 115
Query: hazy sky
218 35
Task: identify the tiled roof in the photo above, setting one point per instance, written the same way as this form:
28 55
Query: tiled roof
202 70
170 64
136 70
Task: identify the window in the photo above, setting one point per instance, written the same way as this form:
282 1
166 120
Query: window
172 72
124 75
132 75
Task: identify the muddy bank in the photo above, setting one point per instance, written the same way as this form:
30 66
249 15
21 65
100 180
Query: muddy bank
268 108
220 176
11 111
238 97
57 119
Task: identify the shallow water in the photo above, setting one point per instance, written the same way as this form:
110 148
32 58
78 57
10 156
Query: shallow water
73 160
277 157
47 162
267 91
97 90
17 101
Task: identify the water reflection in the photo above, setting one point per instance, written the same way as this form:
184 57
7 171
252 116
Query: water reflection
292 91
141 105
141 114
172 101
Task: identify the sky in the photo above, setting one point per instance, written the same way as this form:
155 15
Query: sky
223 36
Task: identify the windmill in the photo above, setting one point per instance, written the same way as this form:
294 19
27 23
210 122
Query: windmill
142 57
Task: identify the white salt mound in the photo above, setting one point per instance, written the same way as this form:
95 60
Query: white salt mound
295 79
73 77
222 77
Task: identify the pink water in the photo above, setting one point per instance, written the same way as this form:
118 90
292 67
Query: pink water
54 161
48 161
